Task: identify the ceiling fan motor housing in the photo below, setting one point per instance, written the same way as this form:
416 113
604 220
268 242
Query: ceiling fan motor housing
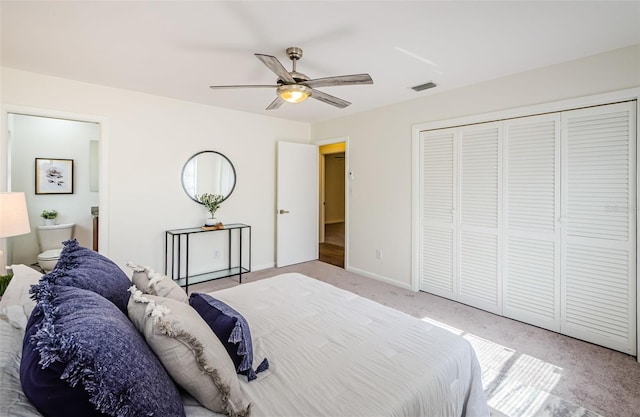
298 76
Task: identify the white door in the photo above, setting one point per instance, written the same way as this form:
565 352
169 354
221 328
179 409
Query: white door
297 203
438 200
599 240
461 183
479 216
531 280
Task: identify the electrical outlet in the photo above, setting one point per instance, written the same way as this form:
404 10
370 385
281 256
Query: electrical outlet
378 254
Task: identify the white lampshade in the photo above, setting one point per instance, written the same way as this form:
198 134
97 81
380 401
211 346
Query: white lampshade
14 218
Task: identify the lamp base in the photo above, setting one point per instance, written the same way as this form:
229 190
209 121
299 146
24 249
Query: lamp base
3 265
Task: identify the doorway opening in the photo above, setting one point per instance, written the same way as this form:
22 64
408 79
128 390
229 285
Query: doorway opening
76 139
332 204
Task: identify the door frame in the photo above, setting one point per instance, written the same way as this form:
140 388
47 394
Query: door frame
103 169
347 189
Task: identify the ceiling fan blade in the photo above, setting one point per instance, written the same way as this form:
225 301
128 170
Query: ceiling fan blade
219 87
275 103
354 79
274 65
329 99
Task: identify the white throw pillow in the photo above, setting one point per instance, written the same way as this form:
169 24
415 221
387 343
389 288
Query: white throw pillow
151 282
16 304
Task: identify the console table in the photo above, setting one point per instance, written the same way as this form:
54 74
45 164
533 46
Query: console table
176 245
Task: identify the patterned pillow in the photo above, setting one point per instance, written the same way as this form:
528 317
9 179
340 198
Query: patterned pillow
83 268
151 282
189 351
233 331
86 355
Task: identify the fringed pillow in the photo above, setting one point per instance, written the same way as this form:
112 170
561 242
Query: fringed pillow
42 385
83 268
191 354
151 282
233 331
83 357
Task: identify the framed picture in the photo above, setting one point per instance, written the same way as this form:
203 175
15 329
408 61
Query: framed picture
54 176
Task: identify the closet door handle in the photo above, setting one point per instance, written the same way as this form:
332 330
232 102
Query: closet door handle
283 211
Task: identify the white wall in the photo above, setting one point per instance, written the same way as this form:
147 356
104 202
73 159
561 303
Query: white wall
39 137
148 139
380 148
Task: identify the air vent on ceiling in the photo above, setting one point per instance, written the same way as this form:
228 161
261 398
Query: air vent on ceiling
424 86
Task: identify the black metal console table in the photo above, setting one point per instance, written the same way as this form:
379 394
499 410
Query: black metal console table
177 238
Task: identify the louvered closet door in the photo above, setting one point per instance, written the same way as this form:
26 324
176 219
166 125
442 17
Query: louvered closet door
599 197
480 216
532 209
437 263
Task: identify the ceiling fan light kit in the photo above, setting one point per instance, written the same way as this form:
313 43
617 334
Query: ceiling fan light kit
294 93
295 87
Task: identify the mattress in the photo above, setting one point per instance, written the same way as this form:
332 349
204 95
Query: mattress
331 353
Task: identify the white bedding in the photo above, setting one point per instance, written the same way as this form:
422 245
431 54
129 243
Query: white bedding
331 353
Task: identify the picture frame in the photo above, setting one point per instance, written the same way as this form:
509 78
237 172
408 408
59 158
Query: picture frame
54 176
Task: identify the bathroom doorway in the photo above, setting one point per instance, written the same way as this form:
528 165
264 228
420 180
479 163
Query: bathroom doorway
31 136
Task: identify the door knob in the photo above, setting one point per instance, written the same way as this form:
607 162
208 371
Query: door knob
283 211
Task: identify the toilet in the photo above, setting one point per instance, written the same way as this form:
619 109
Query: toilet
50 239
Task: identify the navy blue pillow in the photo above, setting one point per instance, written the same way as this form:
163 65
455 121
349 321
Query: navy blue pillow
51 396
99 360
83 268
233 331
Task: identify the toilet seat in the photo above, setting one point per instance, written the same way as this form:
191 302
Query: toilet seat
48 259
50 255
50 242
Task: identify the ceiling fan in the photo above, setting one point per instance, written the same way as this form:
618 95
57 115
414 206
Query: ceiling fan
295 87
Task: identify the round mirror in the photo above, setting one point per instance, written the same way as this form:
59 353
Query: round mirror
208 172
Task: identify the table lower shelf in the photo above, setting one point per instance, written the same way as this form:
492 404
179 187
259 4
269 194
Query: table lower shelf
210 276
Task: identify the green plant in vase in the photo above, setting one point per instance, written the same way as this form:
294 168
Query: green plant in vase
49 216
212 204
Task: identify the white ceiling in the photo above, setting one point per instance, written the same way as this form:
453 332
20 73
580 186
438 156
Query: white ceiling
178 48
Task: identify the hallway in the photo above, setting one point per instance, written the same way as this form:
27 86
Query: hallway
332 250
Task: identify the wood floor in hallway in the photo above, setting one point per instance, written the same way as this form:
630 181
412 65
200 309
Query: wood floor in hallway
332 249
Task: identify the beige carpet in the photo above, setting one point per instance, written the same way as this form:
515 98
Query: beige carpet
527 371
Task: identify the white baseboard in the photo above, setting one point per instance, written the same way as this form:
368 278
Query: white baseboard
378 277
261 267
362 272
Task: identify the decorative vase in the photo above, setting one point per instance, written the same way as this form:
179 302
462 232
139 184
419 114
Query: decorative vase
49 222
210 221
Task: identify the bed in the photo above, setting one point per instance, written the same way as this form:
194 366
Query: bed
331 353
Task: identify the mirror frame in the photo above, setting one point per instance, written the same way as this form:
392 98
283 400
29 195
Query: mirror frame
233 169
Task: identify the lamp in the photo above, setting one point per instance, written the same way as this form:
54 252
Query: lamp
14 219
294 93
